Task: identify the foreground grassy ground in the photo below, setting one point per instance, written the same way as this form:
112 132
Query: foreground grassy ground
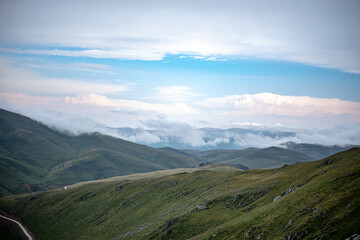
316 200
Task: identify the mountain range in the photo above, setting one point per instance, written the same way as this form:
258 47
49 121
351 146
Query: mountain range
35 157
185 137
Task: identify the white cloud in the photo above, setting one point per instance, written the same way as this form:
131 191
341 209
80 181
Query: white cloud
136 54
322 33
92 66
91 99
18 80
174 93
183 132
274 104
131 105
143 137
92 113
173 133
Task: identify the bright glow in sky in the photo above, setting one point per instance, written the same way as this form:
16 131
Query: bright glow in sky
294 64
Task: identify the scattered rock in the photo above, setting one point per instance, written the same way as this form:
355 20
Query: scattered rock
238 197
202 207
185 193
296 236
326 162
165 228
305 209
290 190
169 222
276 198
118 188
254 233
289 223
175 183
322 172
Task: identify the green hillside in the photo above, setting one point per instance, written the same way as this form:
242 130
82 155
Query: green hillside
34 157
309 200
253 157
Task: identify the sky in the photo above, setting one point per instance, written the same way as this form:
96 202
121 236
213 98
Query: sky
81 66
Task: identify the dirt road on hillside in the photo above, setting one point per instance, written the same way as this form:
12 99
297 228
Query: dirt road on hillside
26 232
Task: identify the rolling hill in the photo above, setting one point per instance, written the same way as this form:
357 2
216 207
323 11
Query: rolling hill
253 157
35 157
310 200
315 151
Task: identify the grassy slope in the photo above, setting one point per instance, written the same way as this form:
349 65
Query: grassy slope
254 158
32 153
239 204
28 150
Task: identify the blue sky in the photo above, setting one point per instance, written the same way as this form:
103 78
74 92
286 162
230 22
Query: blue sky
208 78
294 65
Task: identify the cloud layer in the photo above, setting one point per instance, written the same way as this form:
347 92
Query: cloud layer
274 104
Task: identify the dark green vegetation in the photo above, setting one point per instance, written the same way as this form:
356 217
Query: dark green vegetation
253 157
315 200
34 157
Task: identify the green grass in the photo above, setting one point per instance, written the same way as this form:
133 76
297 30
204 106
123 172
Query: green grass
239 204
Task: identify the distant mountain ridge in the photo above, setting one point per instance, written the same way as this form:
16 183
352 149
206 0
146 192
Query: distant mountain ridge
316 151
204 139
253 157
35 157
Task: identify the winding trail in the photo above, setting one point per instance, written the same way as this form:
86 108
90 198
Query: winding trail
20 225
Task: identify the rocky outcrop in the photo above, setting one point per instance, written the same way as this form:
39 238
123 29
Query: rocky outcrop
326 162
276 198
254 233
288 191
202 207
